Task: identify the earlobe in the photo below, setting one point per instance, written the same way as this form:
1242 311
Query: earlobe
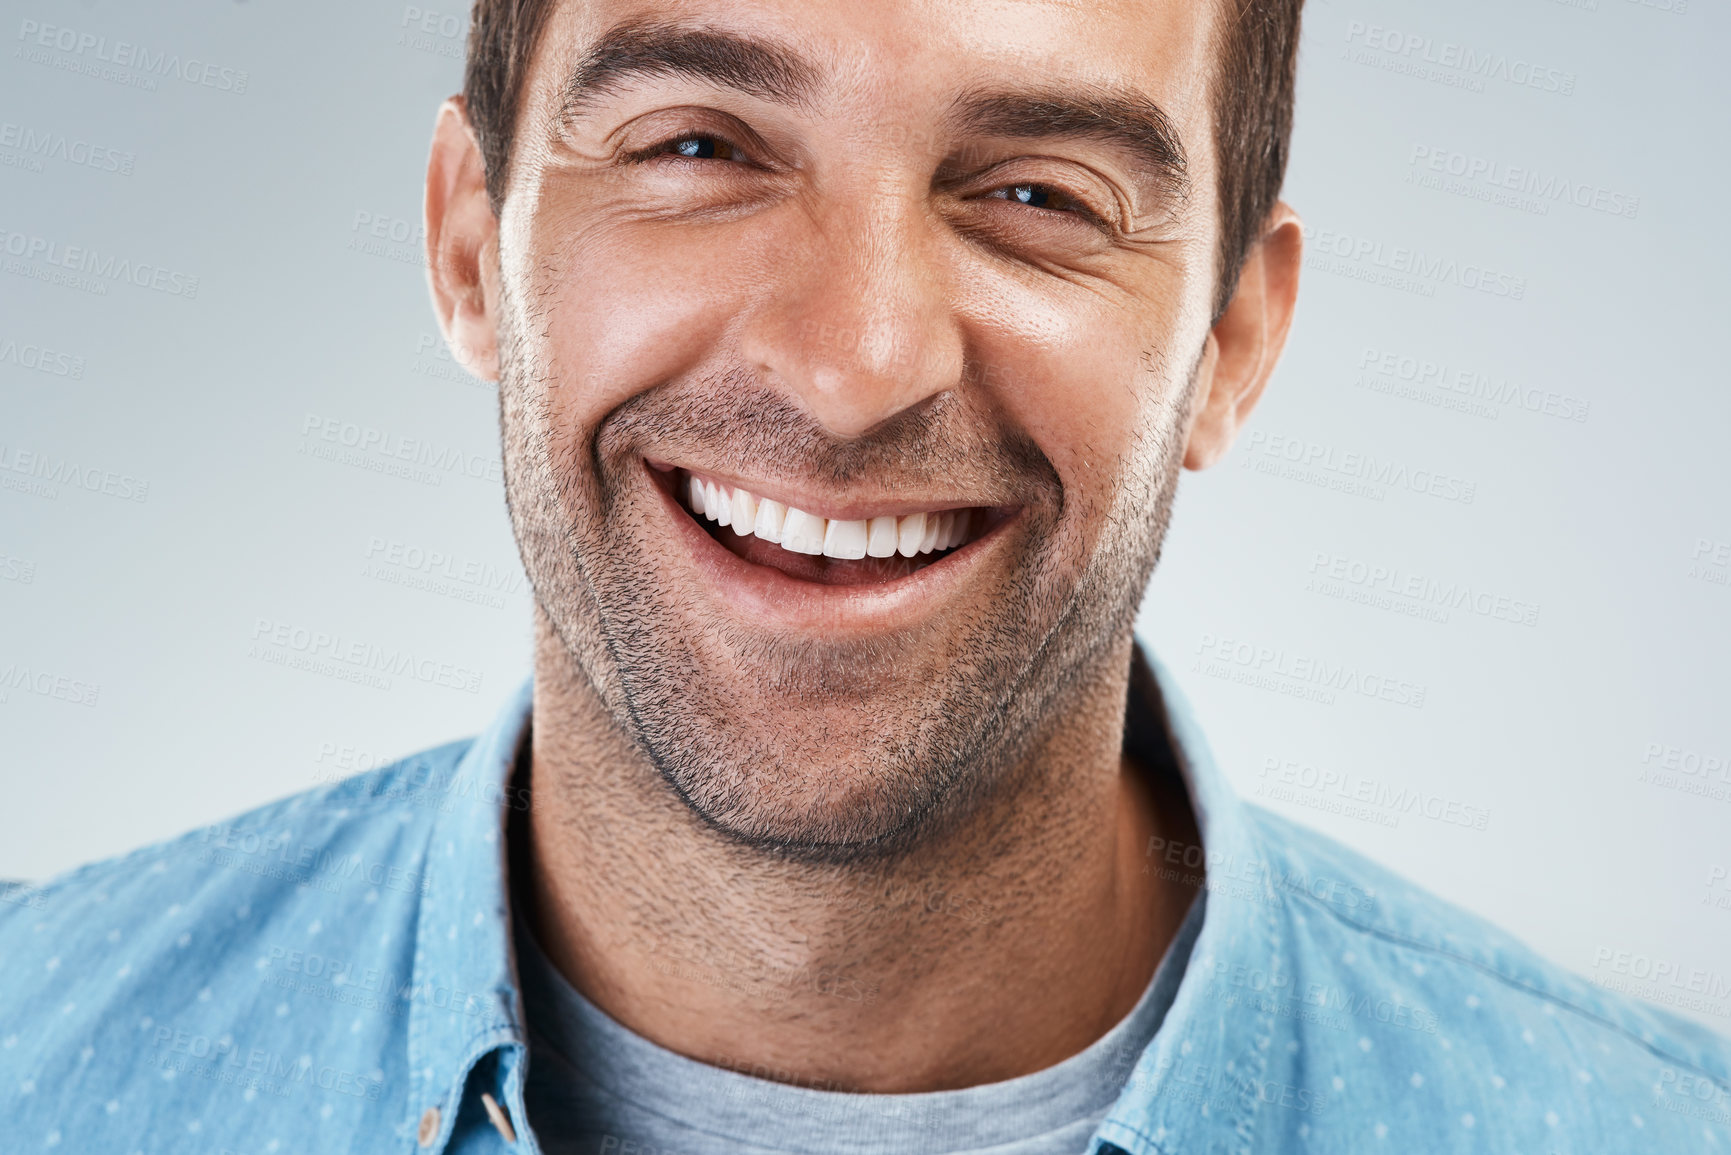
1246 342
462 239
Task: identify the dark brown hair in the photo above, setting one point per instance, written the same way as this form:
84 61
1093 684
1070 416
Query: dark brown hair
1258 55
1253 94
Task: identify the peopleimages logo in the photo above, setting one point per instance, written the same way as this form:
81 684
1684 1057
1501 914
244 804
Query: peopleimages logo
123 54
40 358
1299 675
1396 266
440 33
1661 980
417 459
1371 793
1361 473
83 262
353 659
1419 588
1384 371
46 683
441 572
17 569
47 472
1409 51
1525 180
44 144
1711 561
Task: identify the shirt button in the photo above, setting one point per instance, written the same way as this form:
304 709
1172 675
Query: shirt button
497 1114
429 1127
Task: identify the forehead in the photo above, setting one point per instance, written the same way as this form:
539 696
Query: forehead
910 58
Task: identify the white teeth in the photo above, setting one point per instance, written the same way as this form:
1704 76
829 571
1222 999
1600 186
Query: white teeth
845 539
744 510
881 537
910 531
770 516
802 533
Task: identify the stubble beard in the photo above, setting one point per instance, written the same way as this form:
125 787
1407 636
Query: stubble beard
844 752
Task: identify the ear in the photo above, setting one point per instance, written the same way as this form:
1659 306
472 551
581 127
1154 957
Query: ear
1245 343
462 244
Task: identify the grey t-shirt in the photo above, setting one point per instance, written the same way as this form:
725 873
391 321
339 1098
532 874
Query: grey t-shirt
597 1088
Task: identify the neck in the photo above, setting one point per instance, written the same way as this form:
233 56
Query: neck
1006 945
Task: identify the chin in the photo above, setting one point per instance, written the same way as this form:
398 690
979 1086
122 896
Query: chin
833 785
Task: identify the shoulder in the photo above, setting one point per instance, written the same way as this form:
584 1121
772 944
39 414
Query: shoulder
225 954
1488 1028
281 846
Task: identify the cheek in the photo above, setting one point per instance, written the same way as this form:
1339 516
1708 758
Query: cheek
611 313
1076 377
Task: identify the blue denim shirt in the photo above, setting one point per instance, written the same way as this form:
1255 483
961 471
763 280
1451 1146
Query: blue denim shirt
333 973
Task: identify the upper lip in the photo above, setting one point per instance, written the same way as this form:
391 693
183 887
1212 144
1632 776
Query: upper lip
837 507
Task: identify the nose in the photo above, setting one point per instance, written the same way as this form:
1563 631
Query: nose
859 322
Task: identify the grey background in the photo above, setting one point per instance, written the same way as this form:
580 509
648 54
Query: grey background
1556 775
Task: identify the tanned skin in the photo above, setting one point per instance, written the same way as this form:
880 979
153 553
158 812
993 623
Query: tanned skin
861 826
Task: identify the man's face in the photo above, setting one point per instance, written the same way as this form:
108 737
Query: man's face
935 273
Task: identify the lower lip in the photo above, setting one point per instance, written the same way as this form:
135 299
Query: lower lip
764 594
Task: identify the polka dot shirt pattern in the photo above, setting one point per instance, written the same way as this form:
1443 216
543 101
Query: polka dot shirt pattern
333 973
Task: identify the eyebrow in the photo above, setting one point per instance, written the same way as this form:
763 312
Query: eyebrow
661 48
1122 118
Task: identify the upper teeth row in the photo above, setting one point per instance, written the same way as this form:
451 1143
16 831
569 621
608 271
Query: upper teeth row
802 532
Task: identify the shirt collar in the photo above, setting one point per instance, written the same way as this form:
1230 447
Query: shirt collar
1196 1085
466 1003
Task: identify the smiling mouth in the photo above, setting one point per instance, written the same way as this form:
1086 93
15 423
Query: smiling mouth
829 551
